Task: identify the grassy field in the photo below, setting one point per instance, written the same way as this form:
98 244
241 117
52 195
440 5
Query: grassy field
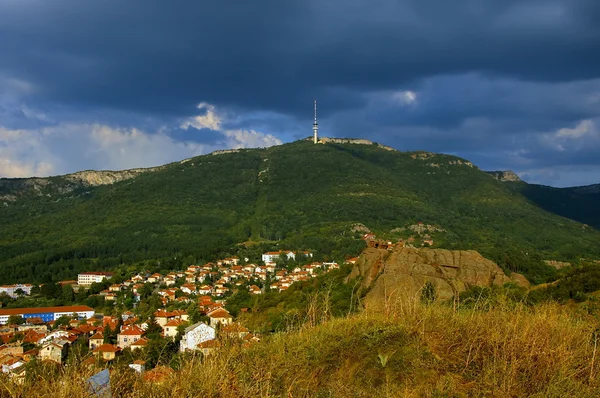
410 350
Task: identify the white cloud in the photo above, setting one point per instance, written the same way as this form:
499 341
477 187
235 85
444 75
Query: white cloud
234 138
71 147
210 120
13 168
584 127
405 97
250 139
583 136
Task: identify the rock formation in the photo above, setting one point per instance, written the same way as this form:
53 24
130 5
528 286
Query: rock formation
504 176
404 271
94 178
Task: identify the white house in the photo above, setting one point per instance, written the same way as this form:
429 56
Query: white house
87 278
11 290
270 257
196 334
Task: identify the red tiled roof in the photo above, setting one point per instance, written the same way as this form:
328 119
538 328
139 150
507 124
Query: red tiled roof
209 344
97 273
141 342
219 313
106 348
174 322
132 331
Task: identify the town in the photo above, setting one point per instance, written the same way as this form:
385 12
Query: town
184 310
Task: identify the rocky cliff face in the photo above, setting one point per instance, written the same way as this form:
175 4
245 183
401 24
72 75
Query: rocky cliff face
404 271
357 141
504 176
11 189
93 178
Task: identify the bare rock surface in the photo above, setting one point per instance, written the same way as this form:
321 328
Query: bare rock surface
405 270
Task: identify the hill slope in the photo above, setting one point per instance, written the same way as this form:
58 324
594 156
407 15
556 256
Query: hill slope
578 203
300 194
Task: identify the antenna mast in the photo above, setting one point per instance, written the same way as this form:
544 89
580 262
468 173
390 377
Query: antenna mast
315 126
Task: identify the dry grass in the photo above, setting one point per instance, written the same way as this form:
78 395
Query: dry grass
408 350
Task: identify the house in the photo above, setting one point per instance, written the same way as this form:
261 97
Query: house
181 314
254 289
170 329
115 288
16 290
54 350
270 267
87 278
138 365
15 369
154 278
270 257
96 340
168 294
204 290
170 281
235 331
107 352
208 347
129 335
55 335
261 275
188 288
220 316
280 275
194 335
141 343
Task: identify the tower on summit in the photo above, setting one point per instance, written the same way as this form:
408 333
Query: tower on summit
315 126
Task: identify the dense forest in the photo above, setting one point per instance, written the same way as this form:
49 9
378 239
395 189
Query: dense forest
297 195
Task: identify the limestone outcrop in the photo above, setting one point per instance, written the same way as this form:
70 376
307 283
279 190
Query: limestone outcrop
505 175
404 271
94 178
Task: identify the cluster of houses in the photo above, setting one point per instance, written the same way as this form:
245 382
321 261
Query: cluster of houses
54 345
220 279
206 285
217 280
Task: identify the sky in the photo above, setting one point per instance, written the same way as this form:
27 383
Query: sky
509 85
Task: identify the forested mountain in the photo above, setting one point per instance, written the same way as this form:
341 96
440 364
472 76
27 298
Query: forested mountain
297 195
579 203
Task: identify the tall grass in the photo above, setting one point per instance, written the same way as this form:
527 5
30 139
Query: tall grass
408 350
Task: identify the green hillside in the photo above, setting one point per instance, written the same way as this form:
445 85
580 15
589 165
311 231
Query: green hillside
578 203
298 195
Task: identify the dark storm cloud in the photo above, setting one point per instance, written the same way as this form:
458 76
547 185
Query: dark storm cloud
269 54
493 80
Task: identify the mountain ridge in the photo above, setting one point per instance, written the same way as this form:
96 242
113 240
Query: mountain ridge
298 195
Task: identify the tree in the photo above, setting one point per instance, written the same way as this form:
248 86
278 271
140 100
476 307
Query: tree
154 330
67 293
15 320
62 321
51 290
428 293
194 313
